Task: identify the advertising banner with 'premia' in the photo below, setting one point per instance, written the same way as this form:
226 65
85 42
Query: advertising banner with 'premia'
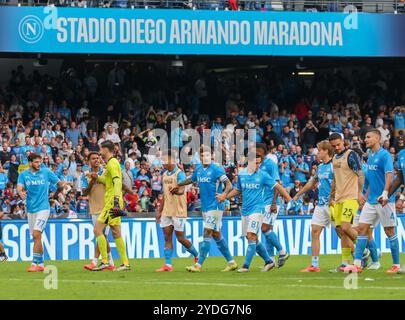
194 32
74 239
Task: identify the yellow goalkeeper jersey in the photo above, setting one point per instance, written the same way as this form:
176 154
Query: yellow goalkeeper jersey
113 175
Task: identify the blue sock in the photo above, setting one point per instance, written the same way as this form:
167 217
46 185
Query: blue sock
372 246
275 242
168 256
262 252
360 246
394 249
223 248
250 253
269 244
315 262
41 259
193 251
37 258
204 250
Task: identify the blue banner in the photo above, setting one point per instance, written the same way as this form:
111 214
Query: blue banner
74 239
138 31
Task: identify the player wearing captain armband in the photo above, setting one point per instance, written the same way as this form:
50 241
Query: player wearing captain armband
271 208
210 177
379 207
33 186
113 209
251 183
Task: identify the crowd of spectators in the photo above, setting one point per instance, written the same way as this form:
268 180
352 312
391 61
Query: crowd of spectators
246 5
65 118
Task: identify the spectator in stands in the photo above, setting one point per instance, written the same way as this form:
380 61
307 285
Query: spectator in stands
398 115
73 134
127 176
3 179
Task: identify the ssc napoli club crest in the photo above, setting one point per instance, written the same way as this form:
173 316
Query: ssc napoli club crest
31 29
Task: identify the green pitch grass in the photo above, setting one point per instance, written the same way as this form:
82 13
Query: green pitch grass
143 283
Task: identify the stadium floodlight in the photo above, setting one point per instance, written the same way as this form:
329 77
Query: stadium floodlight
177 63
306 73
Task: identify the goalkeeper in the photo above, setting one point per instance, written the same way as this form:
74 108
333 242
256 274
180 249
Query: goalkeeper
113 205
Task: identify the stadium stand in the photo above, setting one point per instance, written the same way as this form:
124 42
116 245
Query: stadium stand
65 117
382 6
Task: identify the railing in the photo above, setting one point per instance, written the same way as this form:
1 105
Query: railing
383 6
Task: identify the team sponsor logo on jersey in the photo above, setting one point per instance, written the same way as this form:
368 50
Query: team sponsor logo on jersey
251 185
204 179
324 175
373 167
35 182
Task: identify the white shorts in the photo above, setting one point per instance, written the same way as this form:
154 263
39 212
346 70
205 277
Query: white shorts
37 221
269 217
321 216
356 220
252 223
213 220
94 218
177 223
372 214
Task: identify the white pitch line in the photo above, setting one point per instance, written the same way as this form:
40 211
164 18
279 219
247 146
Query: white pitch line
201 284
143 282
341 287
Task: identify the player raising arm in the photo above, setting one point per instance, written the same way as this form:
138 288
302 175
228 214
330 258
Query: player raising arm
210 176
33 186
251 183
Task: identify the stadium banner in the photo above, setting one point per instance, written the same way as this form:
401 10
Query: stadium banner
200 32
74 239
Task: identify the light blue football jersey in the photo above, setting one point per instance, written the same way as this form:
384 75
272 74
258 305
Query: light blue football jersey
209 181
37 187
324 175
378 164
271 168
401 161
252 185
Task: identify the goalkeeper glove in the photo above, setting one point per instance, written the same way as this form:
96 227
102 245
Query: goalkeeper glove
116 210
